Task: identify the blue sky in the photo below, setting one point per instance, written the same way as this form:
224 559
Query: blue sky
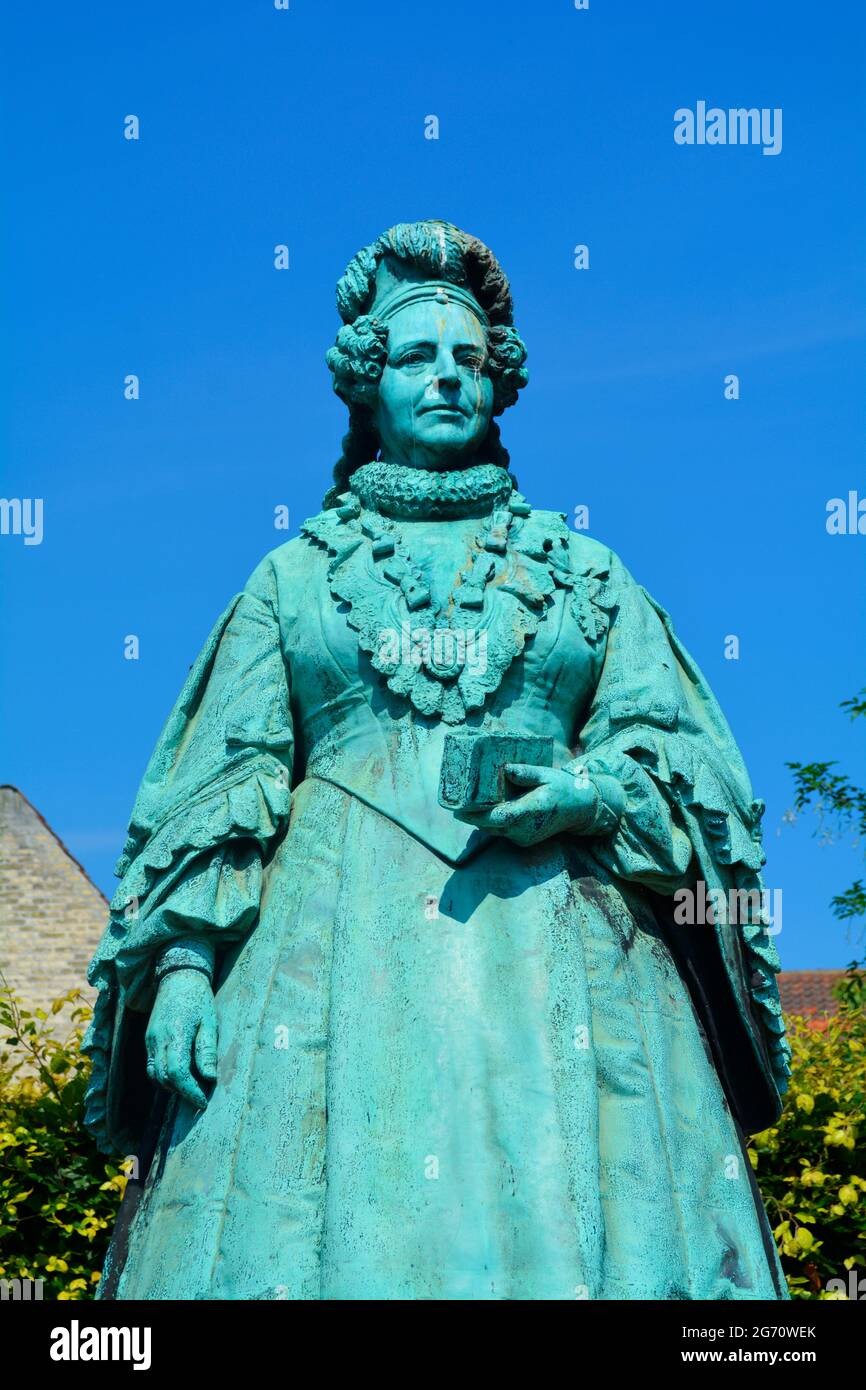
306 127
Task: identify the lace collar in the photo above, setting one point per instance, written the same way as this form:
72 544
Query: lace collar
447 673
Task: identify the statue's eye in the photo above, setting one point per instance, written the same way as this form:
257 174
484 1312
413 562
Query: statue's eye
413 357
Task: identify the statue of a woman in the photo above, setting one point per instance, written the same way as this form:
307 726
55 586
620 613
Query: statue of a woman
416 1048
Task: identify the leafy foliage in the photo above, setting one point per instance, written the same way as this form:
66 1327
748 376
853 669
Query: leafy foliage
58 1195
851 989
833 794
811 1166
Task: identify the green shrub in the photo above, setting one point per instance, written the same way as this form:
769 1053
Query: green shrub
811 1165
58 1194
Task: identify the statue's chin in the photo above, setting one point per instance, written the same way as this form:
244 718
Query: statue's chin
441 455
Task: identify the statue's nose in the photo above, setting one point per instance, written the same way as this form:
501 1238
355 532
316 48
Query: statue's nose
446 369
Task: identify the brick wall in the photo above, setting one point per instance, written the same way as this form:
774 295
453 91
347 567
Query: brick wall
51 915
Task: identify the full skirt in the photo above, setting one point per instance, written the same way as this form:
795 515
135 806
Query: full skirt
486 1082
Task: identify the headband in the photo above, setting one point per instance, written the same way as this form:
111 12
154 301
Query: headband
443 292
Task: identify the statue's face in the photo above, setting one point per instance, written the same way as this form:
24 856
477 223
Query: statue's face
435 395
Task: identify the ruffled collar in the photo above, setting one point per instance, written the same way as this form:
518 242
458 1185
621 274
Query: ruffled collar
395 490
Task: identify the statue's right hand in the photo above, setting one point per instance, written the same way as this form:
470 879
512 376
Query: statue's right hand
182 1033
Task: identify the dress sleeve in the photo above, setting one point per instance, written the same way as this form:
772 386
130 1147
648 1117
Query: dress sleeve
686 810
214 799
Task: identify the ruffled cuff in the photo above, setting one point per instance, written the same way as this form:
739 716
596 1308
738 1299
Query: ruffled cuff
646 846
250 797
212 899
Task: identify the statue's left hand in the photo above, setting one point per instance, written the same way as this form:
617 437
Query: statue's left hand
558 802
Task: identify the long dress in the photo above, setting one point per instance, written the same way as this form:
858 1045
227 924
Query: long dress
449 1068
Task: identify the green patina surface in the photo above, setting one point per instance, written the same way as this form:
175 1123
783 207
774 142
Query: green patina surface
412 1049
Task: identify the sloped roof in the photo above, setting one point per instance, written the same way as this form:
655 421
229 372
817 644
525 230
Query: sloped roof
809 991
51 913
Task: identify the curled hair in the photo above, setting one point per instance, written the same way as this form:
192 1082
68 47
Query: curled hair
439 251
357 360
